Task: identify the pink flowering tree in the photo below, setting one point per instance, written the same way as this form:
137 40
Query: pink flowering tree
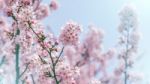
29 55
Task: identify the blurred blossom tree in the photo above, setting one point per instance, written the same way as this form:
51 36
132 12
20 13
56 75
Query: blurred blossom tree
129 39
32 56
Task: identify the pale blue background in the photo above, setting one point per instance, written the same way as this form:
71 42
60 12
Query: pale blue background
104 14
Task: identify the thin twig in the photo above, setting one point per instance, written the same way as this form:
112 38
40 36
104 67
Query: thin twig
24 70
32 79
59 55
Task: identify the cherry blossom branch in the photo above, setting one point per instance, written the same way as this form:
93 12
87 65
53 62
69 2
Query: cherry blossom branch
126 58
129 38
50 55
53 69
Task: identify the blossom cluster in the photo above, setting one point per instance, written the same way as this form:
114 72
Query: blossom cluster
70 33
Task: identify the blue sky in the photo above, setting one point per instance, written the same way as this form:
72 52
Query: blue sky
104 14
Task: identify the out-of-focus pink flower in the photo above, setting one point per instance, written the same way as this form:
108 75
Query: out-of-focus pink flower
9 2
111 52
8 11
1 4
68 74
70 52
94 38
119 70
42 12
93 41
70 33
2 22
43 79
26 2
54 5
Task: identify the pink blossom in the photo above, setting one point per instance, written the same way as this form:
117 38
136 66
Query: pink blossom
26 2
9 2
53 5
2 22
94 38
111 52
68 74
1 4
42 12
8 11
70 33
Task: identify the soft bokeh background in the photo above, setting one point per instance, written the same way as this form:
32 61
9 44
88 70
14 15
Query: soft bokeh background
104 14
